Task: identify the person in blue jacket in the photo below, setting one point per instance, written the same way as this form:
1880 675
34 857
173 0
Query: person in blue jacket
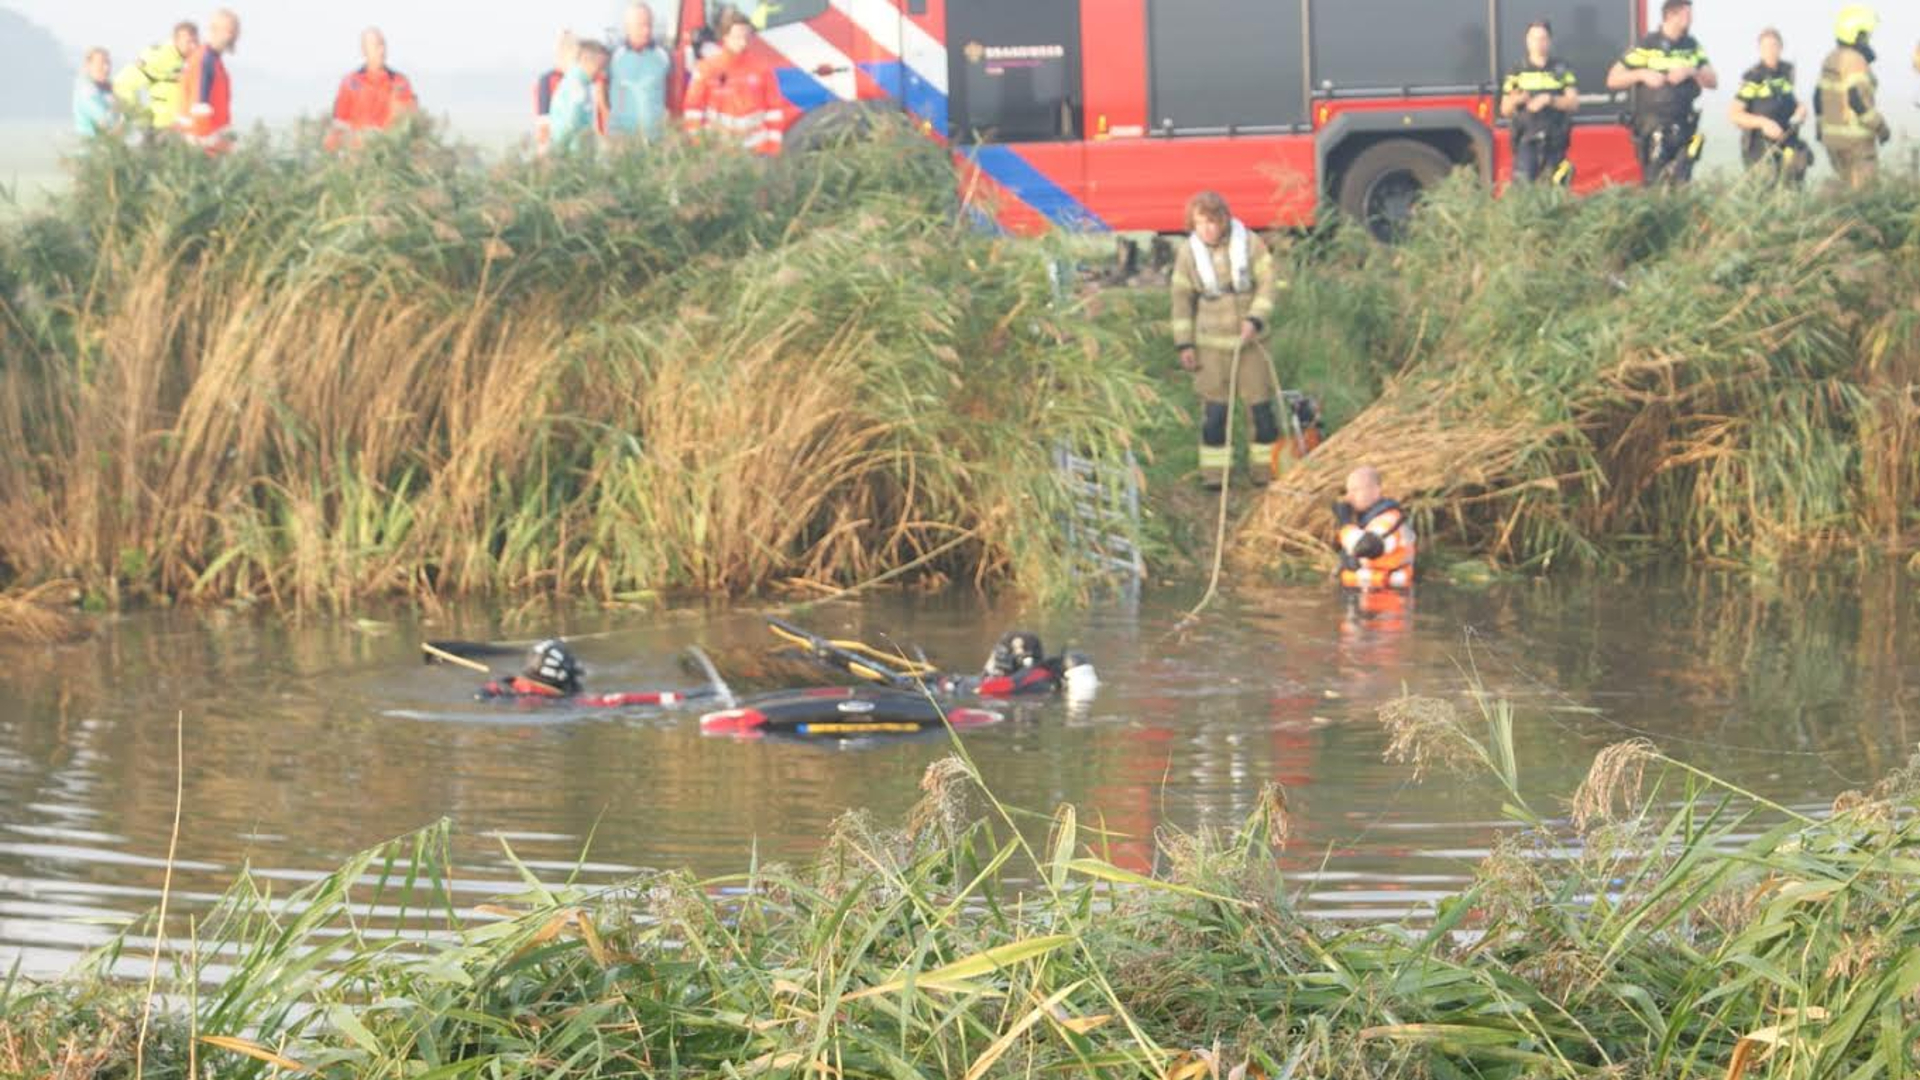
577 119
94 111
637 80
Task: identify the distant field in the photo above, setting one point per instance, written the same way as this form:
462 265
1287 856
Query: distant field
30 162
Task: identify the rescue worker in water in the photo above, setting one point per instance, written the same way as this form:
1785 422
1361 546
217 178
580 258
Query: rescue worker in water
554 675
1376 541
1223 296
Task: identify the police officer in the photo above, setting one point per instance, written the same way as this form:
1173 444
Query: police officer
1769 115
1223 293
1851 124
1540 97
1666 72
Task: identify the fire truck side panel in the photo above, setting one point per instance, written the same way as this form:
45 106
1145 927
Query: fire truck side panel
1108 115
1143 184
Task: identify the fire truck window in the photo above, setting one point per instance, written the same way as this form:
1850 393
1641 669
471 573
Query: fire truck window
1014 70
1589 34
1388 44
1225 64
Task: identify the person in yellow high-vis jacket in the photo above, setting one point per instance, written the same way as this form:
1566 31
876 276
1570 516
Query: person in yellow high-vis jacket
150 86
1852 126
1223 295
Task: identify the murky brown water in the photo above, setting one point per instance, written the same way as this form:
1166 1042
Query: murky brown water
306 742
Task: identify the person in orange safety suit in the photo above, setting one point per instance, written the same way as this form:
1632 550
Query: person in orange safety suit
1376 541
734 94
206 108
372 98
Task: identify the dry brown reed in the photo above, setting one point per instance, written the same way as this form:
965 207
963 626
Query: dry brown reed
1426 733
812 373
42 615
1615 780
1724 375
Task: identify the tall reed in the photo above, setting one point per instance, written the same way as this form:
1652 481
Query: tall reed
1729 374
311 379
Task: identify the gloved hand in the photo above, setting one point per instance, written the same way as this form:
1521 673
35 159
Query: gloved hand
1369 546
1343 512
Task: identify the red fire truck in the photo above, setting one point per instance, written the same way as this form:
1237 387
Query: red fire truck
1108 114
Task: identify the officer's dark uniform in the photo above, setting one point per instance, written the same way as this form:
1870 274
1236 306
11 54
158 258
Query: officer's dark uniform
1666 126
1540 139
1768 92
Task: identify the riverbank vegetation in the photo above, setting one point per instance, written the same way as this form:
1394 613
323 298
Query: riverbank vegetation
313 381
310 380
1666 924
1725 374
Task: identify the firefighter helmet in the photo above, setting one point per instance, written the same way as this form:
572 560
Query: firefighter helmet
1854 23
1016 651
553 664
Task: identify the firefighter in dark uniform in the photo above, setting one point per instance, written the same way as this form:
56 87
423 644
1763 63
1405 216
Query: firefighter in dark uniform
1852 127
1769 114
1223 295
1540 97
1666 72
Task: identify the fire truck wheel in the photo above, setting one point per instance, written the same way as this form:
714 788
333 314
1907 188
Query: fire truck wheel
832 125
1383 184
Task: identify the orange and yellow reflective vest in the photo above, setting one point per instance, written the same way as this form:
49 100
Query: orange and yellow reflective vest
1392 568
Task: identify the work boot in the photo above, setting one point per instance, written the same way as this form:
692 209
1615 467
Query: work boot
1260 463
1215 463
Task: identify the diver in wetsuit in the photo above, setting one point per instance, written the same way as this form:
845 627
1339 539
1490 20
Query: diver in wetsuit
553 674
1019 667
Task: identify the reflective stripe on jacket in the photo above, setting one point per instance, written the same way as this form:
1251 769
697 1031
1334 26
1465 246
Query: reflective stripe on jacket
1555 78
1667 104
157 75
737 98
1210 320
1846 97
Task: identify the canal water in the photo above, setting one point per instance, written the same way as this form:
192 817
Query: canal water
306 741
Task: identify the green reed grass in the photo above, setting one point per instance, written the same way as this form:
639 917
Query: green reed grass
308 379
1726 374
1678 927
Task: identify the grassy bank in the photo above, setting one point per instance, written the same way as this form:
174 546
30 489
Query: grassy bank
1724 374
1668 926
310 380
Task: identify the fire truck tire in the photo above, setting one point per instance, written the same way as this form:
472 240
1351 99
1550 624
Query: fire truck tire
831 125
1382 184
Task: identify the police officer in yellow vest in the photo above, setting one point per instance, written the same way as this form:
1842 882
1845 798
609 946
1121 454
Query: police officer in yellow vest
1769 113
1540 97
155 74
1851 124
1223 294
1666 73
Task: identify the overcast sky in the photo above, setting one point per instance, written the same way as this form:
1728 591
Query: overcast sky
294 51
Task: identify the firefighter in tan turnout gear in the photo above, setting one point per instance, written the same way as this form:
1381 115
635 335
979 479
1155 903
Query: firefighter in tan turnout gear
1223 296
1851 124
